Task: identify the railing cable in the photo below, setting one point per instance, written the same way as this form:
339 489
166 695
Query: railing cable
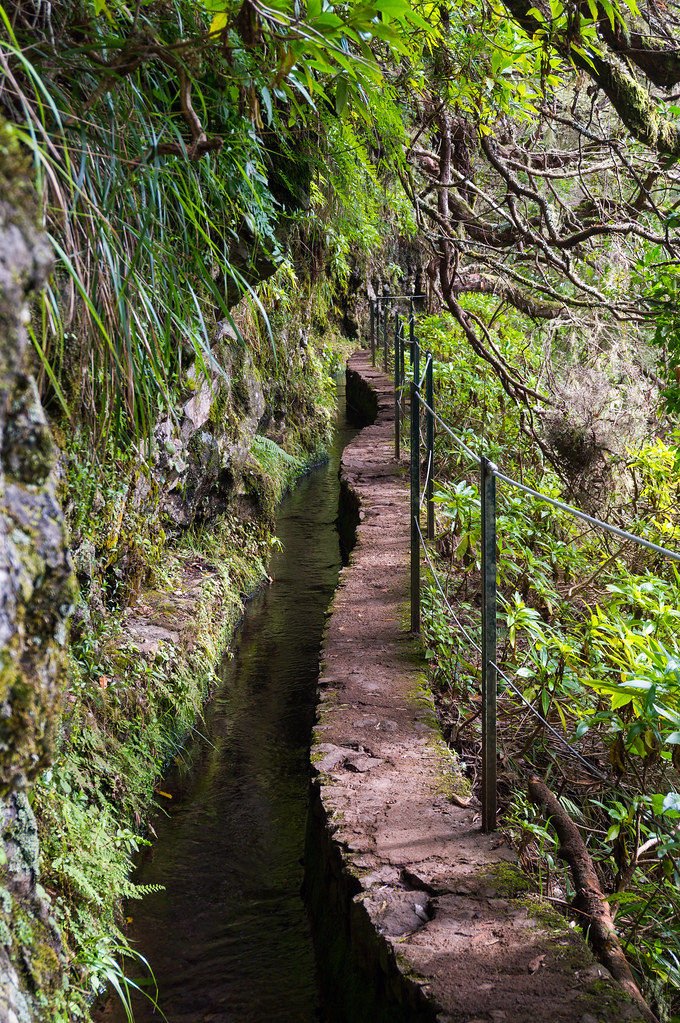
423 495
577 513
477 648
490 472
447 429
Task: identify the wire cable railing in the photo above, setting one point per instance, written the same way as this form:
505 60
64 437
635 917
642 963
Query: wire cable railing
491 672
447 429
477 648
594 772
622 534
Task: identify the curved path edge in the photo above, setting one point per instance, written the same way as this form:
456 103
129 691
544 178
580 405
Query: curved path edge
418 916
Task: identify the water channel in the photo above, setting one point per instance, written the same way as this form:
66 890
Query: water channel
228 938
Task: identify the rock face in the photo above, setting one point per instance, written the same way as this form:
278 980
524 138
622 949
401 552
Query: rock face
36 595
201 454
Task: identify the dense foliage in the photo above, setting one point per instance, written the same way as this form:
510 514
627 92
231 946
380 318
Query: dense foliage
157 228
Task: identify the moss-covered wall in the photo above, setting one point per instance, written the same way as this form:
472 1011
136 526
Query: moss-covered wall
167 542
36 595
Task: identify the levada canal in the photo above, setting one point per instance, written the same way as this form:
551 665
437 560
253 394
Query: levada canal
228 938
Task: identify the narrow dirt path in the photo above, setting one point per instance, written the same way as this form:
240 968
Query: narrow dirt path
457 934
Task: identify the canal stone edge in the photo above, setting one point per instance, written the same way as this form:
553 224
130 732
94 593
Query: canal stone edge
417 915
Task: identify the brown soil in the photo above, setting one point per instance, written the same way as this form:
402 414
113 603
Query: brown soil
455 912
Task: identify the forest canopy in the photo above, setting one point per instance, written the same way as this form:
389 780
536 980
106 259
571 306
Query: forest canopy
536 147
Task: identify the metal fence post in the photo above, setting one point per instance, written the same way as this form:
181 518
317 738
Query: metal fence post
489 675
372 305
385 319
397 385
415 489
429 400
411 344
411 336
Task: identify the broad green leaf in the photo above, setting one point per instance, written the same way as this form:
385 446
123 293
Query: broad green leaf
341 95
671 803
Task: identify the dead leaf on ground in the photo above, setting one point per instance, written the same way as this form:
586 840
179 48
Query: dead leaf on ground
461 800
535 964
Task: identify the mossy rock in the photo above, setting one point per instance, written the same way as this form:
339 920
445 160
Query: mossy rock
510 882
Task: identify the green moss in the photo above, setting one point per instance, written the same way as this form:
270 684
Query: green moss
508 881
240 393
220 406
45 966
406 967
9 672
609 1002
16 171
546 915
420 697
572 952
24 833
451 780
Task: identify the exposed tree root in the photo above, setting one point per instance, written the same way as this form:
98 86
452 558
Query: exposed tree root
590 900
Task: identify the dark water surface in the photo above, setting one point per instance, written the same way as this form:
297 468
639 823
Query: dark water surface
228 939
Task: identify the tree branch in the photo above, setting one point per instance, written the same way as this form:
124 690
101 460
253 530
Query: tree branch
632 101
590 900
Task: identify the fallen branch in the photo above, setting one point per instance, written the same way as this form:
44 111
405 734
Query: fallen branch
590 900
585 583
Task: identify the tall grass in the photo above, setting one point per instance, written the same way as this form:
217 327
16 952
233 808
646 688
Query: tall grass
142 241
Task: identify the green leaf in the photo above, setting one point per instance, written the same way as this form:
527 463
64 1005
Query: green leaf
267 101
327 20
219 23
341 95
537 14
671 803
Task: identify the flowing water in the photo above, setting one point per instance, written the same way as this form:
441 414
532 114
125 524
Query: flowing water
228 939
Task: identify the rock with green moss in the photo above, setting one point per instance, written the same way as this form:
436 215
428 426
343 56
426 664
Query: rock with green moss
31 953
36 597
36 590
203 451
